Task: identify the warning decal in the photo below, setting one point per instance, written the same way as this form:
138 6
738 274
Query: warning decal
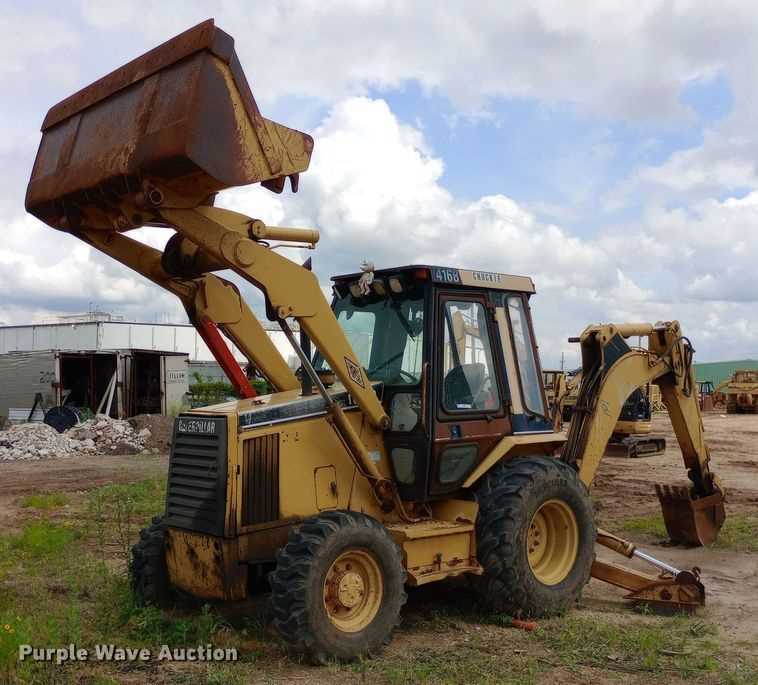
354 371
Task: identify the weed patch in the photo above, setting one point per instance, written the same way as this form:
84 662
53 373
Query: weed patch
45 501
39 540
647 525
117 512
680 644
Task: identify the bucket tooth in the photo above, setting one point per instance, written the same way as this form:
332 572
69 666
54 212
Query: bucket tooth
690 520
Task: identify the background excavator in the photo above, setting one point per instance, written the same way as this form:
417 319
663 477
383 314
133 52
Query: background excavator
417 445
631 435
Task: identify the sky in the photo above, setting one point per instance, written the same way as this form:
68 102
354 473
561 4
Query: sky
606 149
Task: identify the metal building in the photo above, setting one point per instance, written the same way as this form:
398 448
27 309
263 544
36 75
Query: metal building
120 382
110 334
75 359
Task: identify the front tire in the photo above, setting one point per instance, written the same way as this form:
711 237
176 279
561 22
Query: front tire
148 570
535 537
338 587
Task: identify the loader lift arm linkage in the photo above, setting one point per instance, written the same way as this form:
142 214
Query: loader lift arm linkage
219 239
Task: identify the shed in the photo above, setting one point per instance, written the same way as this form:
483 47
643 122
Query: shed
147 381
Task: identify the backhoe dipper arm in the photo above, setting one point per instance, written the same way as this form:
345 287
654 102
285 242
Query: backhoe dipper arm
611 371
208 300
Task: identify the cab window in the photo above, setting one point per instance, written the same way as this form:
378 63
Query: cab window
468 377
386 334
527 363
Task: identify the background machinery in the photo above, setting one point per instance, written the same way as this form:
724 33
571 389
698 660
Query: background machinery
631 435
739 393
417 445
554 382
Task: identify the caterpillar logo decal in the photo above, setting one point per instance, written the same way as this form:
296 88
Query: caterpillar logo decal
354 371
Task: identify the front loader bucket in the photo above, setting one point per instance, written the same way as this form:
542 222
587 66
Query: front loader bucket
691 521
181 116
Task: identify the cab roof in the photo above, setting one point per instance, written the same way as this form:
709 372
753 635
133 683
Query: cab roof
452 276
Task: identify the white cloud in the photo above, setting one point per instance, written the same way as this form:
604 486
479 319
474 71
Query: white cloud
374 192
375 188
629 60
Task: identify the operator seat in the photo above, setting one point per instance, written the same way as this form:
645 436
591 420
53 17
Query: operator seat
463 386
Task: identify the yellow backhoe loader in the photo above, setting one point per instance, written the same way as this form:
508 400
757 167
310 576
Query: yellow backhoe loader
740 392
556 390
417 445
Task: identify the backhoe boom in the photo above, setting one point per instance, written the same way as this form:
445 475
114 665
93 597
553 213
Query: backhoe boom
611 371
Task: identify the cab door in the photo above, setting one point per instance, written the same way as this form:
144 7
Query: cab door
529 411
471 396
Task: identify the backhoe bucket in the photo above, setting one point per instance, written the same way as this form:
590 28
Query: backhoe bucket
691 521
181 117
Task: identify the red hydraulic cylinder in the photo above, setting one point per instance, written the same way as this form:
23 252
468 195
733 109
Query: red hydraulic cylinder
210 334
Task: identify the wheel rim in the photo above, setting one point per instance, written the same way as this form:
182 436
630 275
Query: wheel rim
552 542
353 590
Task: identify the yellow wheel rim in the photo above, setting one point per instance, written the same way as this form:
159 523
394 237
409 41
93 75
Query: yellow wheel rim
552 542
353 590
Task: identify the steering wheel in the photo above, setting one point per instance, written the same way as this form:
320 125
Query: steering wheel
411 378
401 372
483 394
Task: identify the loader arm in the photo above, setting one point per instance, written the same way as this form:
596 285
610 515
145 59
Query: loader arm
291 290
206 299
194 129
611 371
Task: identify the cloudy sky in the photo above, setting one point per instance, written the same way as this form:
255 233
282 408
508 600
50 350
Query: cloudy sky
608 149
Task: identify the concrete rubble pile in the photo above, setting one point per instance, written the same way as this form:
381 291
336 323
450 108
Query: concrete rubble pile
35 441
109 435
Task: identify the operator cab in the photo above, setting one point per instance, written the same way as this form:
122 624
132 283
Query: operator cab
455 353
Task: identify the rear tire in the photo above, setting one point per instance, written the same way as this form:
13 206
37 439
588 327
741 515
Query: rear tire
535 537
338 587
148 571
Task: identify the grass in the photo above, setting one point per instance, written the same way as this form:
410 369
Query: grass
39 544
45 501
66 582
646 525
681 645
473 664
63 579
740 531
144 498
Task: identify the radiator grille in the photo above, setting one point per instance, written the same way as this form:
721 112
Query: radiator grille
196 491
260 485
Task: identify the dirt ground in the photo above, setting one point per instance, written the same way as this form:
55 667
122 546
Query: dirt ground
70 475
624 489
